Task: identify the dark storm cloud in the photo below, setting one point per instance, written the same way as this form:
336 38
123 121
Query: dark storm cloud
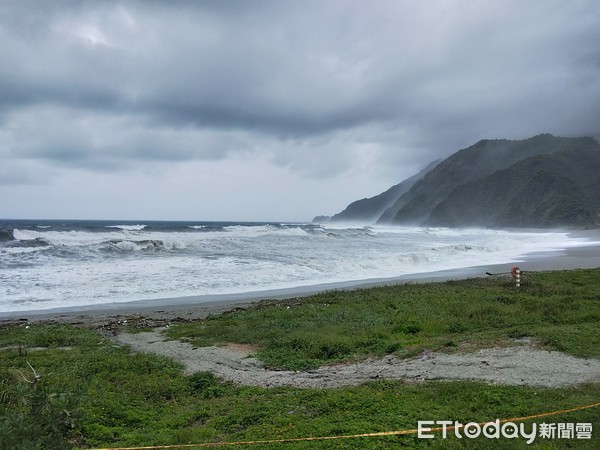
106 84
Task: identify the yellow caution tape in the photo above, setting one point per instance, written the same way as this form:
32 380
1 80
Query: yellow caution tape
349 436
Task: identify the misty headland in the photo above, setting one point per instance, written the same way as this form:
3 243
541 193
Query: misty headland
540 182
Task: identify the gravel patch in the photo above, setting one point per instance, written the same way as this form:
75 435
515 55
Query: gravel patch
521 365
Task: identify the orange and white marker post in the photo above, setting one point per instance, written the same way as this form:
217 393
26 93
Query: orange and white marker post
516 273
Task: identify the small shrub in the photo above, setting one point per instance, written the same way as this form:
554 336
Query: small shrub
457 327
393 347
412 328
206 385
38 417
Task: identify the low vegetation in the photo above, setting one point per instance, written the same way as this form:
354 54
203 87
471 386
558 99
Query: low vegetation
62 386
560 310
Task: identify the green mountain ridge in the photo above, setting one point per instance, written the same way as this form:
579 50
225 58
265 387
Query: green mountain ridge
370 209
543 181
536 192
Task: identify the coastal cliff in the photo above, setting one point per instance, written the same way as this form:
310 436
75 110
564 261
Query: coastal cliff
543 181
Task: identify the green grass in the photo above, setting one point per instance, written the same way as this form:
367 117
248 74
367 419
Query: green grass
92 393
118 398
560 310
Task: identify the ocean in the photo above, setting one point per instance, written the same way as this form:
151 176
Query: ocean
46 264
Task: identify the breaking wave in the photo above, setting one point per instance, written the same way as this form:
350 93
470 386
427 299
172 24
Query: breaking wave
128 227
76 264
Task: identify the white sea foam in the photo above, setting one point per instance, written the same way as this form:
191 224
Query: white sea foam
78 267
63 238
21 250
128 227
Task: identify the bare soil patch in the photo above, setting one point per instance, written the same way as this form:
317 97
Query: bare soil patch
245 349
519 365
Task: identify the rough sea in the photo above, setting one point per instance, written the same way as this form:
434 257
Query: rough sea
51 263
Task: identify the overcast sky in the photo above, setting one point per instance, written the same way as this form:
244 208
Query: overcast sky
272 110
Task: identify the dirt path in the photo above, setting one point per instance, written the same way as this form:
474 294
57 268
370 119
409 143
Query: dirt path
521 365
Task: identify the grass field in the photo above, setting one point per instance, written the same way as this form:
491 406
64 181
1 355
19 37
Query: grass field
91 393
559 309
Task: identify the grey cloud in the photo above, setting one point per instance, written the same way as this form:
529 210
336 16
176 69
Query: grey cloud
177 81
238 70
19 174
97 140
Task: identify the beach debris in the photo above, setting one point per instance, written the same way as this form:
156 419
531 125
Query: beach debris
36 376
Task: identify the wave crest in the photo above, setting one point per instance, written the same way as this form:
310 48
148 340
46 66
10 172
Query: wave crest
138 227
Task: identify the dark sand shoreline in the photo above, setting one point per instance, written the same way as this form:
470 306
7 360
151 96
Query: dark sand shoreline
159 311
